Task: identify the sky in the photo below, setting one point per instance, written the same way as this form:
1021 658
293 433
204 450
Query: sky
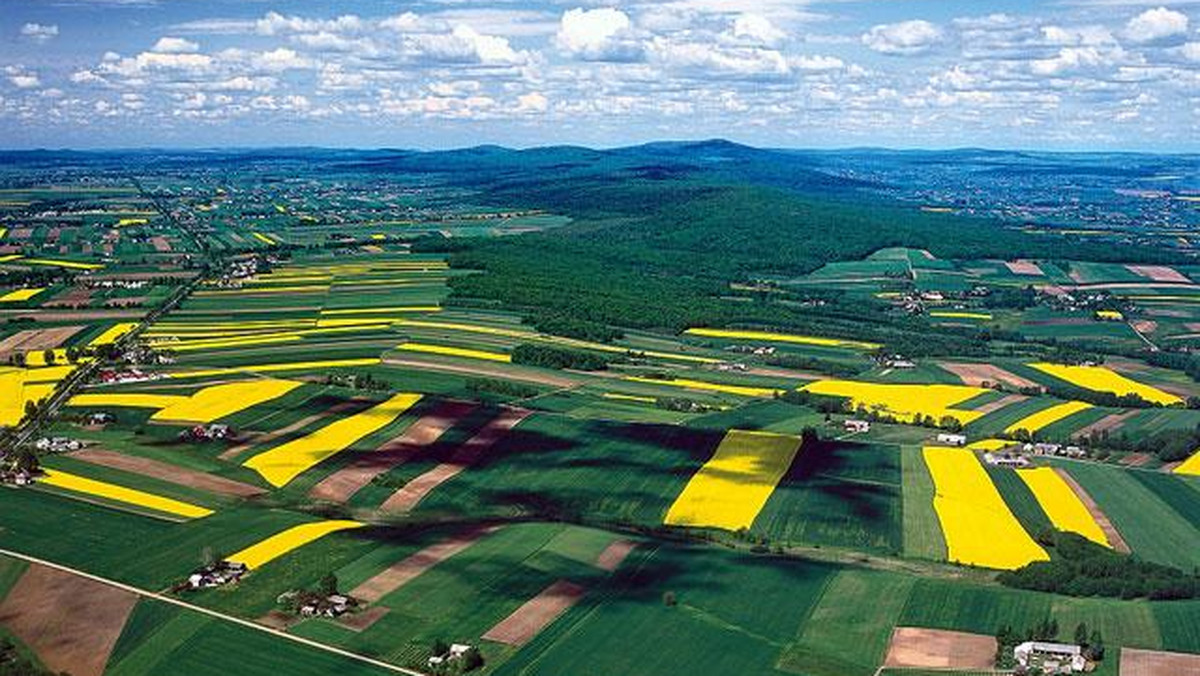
1052 74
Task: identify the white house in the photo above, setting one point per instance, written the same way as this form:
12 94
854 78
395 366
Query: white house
855 425
952 439
1050 658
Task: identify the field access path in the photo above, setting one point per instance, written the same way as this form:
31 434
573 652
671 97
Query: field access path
143 593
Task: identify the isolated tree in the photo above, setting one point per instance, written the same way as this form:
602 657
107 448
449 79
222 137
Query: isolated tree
1081 634
328 586
48 356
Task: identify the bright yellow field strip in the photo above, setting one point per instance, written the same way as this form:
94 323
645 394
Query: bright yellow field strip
905 402
275 368
782 338
1191 466
1033 423
8 258
132 496
731 488
217 401
1100 379
261 553
308 279
471 328
1066 511
283 463
989 444
38 357
960 315
3 232
740 390
20 295
361 322
63 264
628 397
126 400
455 352
978 526
19 386
383 310
263 238
113 334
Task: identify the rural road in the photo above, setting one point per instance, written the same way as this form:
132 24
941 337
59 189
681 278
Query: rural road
212 613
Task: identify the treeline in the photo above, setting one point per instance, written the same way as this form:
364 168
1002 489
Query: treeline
547 356
559 324
1079 567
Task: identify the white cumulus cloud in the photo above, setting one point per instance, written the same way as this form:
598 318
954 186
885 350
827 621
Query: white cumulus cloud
168 45
1156 25
903 39
598 35
39 32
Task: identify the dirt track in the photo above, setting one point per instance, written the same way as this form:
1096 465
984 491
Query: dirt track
70 622
613 555
536 614
1101 519
414 491
938 648
168 472
344 483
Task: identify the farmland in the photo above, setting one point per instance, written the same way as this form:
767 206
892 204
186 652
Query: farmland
614 455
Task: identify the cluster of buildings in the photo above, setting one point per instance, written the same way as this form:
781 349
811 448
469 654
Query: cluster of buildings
217 574
210 432
1041 657
130 375
57 444
334 605
455 652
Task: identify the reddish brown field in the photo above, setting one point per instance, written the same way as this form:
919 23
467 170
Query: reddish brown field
1101 519
168 472
404 571
1109 423
344 483
1136 662
1001 403
72 297
536 614
70 622
363 620
615 554
983 375
414 491
68 316
1159 273
161 244
1023 267
940 649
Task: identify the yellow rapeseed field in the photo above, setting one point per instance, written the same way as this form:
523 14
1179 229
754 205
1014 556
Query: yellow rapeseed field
902 401
19 295
978 526
263 238
989 444
1066 511
113 334
283 463
1033 423
782 338
132 496
628 397
216 402
1100 379
1191 466
74 265
382 310
731 488
261 553
21 385
740 390
455 351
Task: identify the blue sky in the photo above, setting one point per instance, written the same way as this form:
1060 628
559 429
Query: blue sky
1069 74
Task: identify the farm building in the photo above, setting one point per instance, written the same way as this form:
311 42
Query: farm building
952 439
855 425
1050 658
217 574
1006 459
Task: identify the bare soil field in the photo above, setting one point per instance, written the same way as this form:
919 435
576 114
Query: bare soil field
1024 267
161 244
1110 423
1135 662
363 620
982 375
536 614
70 622
1001 403
344 483
1136 459
615 554
1159 273
940 649
168 472
37 339
414 491
1101 519
72 297
73 316
404 571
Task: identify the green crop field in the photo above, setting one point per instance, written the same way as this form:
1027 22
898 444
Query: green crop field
921 529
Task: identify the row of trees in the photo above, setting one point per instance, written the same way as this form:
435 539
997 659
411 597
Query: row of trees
547 356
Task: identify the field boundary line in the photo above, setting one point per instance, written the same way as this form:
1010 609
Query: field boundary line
213 613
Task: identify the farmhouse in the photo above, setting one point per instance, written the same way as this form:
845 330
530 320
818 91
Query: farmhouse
334 605
217 574
856 425
57 444
1006 459
456 651
1050 658
952 439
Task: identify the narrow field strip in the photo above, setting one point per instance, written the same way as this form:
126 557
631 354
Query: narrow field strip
261 553
131 496
204 406
1066 511
536 614
979 528
731 488
404 571
782 338
1100 379
19 295
1047 416
684 383
450 351
283 463
275 368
